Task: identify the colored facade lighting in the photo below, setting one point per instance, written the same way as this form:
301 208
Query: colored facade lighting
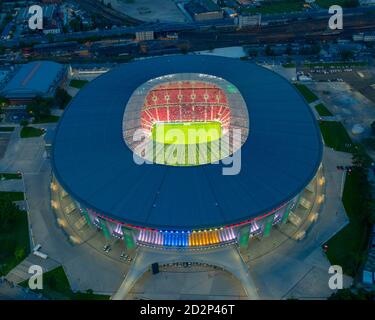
254 227
183 238
189 238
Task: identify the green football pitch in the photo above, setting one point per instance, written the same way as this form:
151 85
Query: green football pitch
186 132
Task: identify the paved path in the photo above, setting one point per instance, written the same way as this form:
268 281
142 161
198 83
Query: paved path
11 185
21 271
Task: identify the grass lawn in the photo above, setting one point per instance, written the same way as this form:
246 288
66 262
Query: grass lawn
335 135
12 241
289 65
10 176
369 142
306 92
79 84
56 287
6 129
348 247
279 6
322 110
11 195
342 3
47 119
186 132
31 132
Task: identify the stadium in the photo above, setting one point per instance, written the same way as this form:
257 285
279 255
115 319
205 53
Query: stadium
142 151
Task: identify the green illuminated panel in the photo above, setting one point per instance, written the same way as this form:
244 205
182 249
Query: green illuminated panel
244 237
232 89
128 238
286 214
106 232
268 227
86 215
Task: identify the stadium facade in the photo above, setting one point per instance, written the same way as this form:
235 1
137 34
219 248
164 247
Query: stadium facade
193 205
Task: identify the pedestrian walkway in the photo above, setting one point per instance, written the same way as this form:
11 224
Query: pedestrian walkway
14 185
21 272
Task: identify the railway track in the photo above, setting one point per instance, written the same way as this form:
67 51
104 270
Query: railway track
312 30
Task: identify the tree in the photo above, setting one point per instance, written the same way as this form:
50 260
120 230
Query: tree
24 123
75 24
40 107
289 50
352 294
62 98
269 51
3 102
351 3
347 55
50 37
184 47
373 127
8 211
19 253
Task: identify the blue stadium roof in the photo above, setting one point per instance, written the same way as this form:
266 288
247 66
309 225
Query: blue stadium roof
32 79
280 157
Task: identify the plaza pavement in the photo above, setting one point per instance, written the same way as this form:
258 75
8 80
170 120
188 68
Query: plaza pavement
226 257
196 285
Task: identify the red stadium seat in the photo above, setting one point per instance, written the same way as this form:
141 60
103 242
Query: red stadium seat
162 114
185 101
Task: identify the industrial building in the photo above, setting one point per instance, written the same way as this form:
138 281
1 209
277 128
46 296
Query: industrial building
38 78
201 10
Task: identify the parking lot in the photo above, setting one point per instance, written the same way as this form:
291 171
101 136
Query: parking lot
149 10
15 115
361 79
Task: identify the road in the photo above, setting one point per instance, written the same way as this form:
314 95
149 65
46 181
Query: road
296 31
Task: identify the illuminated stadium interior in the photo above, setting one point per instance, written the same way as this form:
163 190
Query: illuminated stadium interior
186 101
186 119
